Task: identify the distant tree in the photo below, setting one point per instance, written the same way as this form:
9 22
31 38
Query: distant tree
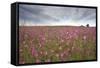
82 26
87 25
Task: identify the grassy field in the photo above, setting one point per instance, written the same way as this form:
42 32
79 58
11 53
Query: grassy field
39 44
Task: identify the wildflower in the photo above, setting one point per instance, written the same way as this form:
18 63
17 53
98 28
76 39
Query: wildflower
24 42
31 41
66 32
36 55
33 51
40 45
41 52
22 62
43 38
62 40
20 50
52 51
26 35
46 53
73 48
84 37
60 48
57 55
62 55
37 61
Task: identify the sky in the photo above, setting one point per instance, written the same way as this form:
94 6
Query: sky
39 15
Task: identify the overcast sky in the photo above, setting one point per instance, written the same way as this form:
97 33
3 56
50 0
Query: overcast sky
37 15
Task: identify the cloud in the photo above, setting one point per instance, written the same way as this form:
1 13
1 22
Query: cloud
36 14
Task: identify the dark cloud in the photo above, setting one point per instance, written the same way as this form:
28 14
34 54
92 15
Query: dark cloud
47 14
34 13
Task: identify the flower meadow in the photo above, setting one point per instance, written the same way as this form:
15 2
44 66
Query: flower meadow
42 44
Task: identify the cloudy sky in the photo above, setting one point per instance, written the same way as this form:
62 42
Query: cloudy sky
36 15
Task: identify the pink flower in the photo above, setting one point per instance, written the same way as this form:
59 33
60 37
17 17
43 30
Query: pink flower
22 62
37 61
84 37
62 54
43 38
62 40
42 41
33 51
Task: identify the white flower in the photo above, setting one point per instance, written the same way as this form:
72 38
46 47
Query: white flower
52 51
46 53
84 37
62 40
57 55
60 48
